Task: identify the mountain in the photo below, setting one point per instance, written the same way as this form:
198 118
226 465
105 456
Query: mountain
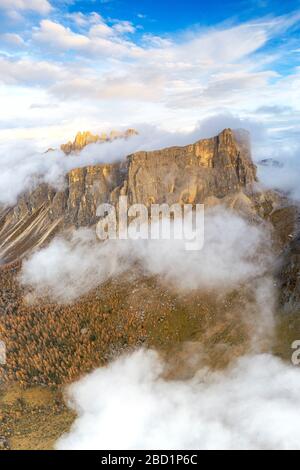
50 344
83 139
57 343
210 171
289 274
203 172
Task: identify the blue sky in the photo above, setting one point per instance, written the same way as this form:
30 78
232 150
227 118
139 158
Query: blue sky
167 16
69 65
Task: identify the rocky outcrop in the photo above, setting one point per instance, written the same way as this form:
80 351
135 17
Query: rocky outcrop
210 168
289 271
83 139
87 188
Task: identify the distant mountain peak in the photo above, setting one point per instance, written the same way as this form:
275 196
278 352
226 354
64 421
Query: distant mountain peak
82 139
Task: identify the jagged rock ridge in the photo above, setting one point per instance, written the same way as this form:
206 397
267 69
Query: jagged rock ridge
83 139
211 168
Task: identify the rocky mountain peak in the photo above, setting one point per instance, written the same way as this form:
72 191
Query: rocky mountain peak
82 139
217 168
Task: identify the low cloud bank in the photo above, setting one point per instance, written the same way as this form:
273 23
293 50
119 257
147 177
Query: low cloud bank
282 173
254 404
67 269
234 252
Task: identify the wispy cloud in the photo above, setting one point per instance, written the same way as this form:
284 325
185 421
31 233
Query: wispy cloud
38 6
253 404
101 66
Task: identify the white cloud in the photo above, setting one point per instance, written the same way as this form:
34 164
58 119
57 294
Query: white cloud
105 76
100 40
39 6
101 30
282 172
198 70
210 49
254 404
124 27
83 20
117 88
29 72
57 35
67 269
13 39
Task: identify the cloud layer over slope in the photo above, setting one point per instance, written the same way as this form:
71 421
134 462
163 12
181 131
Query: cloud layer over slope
254 404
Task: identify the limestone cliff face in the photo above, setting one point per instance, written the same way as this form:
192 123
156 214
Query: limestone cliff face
210 167
87 188
216 167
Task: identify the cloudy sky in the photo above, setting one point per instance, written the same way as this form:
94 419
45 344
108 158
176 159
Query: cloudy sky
68 65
